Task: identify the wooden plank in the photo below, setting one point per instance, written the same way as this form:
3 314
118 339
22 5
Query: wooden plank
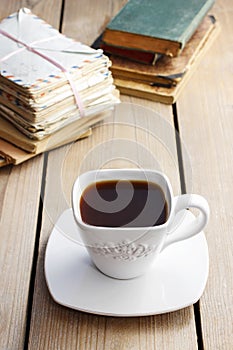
19 202
56 327
48 10
90 331
20 191
86 22
205 119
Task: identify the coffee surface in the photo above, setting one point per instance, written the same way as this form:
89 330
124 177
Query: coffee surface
123 203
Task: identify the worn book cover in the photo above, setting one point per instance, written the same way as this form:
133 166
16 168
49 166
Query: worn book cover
158 91
168 71
140 56
155 25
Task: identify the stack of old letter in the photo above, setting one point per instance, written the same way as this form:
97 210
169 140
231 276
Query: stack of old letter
52 88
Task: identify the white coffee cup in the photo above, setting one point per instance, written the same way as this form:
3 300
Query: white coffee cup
127 252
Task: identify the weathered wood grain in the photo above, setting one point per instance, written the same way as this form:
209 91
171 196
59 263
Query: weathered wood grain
205 119
19 202
86 23
56 327
20 191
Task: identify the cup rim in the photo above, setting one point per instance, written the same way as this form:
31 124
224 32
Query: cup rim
86 226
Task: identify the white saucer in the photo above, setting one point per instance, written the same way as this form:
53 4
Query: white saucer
177 279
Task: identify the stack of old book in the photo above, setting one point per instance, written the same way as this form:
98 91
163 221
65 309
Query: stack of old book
52 88
155 45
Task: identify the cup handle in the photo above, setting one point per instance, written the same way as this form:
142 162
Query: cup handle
182 232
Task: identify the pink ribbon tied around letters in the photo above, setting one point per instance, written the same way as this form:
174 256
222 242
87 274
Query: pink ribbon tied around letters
47 58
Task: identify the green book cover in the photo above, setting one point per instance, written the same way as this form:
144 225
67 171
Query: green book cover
170 20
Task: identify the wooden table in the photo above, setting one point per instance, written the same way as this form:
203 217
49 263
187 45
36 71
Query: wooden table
30 202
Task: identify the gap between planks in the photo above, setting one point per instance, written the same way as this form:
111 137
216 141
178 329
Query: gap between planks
35 253
196 306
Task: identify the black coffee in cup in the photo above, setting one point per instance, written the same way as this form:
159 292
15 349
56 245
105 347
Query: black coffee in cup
128 203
